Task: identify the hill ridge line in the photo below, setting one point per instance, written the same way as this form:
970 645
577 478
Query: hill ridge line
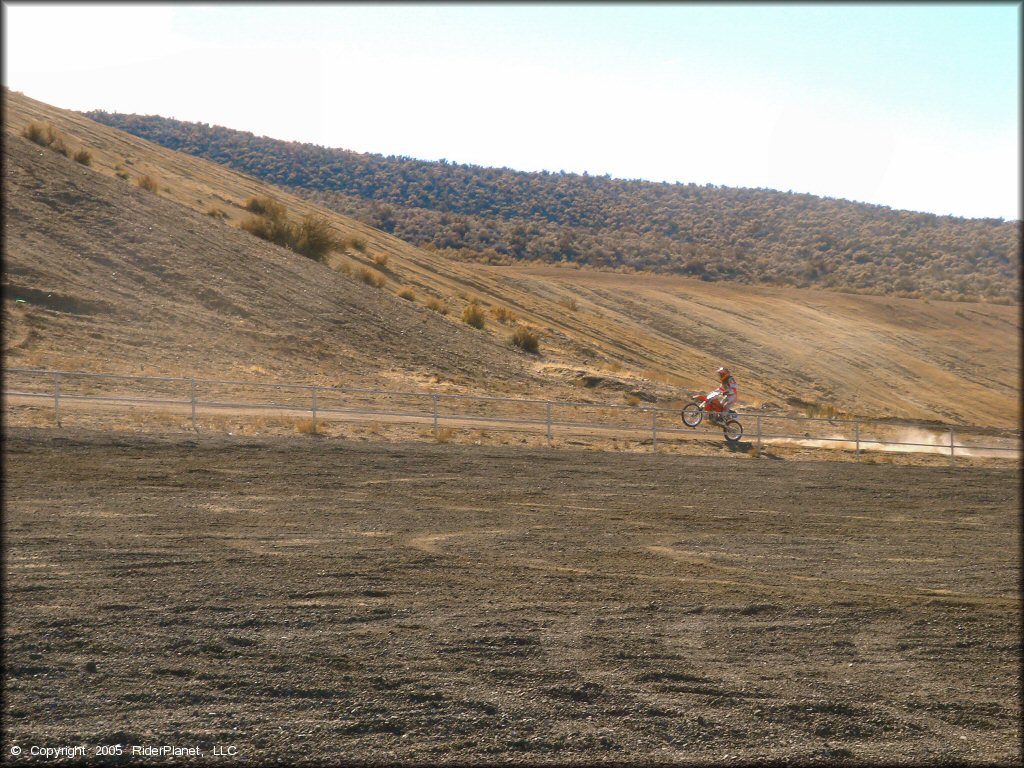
716 233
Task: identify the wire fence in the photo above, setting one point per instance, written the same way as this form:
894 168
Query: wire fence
191 397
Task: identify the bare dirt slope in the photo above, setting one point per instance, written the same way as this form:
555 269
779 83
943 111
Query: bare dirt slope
881 356
343 602
615 333
116 278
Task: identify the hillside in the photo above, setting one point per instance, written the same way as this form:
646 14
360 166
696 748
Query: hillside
752 236
116 278
112 277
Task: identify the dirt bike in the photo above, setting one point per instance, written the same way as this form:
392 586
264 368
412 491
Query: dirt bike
694 413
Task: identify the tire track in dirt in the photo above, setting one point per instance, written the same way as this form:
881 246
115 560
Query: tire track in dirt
458 603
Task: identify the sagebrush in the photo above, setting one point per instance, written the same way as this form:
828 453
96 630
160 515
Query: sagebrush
526 340
473 315
370 277
312 237
503 315
437 305
148 183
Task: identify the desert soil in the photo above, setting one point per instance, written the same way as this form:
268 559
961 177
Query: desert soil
331 601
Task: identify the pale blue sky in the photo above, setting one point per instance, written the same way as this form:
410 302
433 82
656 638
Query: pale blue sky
912 106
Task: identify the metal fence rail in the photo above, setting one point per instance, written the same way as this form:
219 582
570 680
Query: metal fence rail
425 408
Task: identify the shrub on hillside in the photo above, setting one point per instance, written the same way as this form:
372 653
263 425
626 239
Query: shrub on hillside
381 259
408 294
45 135
216 213
473 315
83 156
704 231
275 231
148 183
436 305
503 315
370 277
354 242
266 206
35 132
526 340
313 237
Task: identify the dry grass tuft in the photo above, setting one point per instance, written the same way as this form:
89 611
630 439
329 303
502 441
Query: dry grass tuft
45 135
503 315
39 133
354 242
305 427
83 156
473 315
408 294
313 237
444 435
370 277
272 230
148 183
436 305
526 340
216 213
266 206
381 259
569 303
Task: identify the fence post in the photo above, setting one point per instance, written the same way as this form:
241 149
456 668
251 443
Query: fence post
952 453
856 432
759 435
434 397
56 398
654 429
194 428
314 408
549 423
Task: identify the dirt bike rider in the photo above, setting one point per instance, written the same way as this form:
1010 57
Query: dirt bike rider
722 399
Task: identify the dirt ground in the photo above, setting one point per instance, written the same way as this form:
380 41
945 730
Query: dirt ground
327 600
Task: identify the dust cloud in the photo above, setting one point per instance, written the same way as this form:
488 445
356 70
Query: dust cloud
908 441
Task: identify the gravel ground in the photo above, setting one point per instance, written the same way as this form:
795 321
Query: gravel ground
330 601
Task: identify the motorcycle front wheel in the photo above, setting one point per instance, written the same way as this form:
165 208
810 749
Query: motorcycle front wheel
692 415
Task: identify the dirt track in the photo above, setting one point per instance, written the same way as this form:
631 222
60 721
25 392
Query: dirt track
328 600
